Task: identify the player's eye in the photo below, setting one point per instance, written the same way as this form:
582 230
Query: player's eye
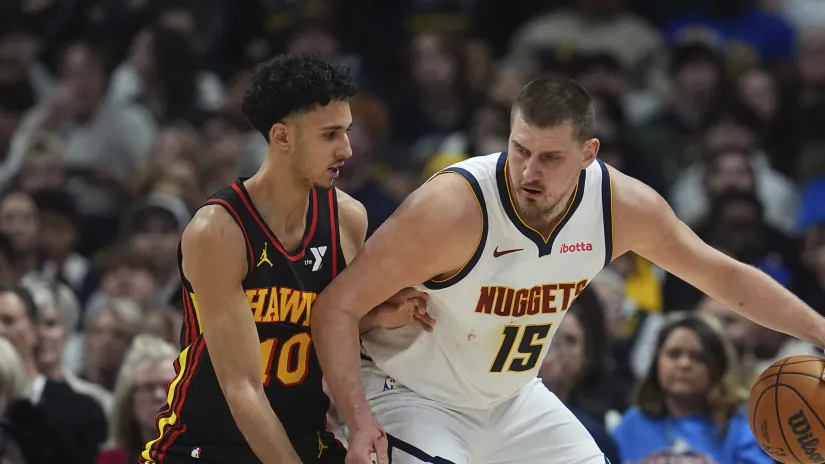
330 135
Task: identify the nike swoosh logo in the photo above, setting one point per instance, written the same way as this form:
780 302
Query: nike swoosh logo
497 253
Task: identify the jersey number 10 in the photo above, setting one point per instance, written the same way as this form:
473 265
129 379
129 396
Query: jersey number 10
293 359
528 350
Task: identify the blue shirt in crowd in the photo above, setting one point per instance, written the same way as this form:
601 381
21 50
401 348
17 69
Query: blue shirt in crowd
766 36
693 438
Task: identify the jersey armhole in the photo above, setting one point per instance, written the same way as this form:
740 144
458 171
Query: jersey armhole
335 230
436 284
607 212
250 256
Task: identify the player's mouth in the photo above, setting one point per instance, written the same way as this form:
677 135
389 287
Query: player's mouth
531 193
335 169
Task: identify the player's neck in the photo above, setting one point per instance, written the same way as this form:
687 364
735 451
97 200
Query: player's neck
280 198
547 223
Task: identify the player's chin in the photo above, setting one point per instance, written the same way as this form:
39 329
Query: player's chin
325 181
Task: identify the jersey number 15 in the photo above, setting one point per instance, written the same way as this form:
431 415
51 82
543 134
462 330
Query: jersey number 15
528 351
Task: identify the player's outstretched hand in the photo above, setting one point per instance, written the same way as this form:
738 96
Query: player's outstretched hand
366 442
408 306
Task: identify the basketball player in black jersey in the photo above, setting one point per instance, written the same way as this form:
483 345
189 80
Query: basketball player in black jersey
248 387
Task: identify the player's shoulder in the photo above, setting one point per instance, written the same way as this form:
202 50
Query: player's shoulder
349 206
352 215
212 225
451 200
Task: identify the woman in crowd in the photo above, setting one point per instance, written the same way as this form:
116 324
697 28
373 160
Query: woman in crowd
689 405
111 325
140 392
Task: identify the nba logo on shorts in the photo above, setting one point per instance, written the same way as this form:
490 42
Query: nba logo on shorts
196 453
389 383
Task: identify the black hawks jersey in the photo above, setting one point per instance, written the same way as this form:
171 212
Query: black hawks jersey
281 286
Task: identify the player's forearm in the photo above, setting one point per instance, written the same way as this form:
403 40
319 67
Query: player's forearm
335 334
761 299
260 426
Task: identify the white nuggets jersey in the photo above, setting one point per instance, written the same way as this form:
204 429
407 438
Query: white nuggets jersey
497 315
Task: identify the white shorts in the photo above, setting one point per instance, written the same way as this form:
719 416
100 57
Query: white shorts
532 428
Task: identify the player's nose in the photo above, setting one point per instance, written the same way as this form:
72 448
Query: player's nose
531 171
345 152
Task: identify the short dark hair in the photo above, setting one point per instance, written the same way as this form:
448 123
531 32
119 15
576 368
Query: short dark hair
290 84
25 296
552 100
58 202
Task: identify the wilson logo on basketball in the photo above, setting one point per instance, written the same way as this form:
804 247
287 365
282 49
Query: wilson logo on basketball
576 247
802 429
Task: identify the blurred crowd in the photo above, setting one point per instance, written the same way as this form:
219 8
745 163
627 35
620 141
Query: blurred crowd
119 117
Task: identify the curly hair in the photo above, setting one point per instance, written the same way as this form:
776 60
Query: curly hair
290 84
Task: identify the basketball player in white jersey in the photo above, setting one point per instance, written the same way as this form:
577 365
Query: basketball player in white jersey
503 245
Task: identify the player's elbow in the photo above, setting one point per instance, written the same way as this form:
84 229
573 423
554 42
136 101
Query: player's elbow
327 307
327 315
241 391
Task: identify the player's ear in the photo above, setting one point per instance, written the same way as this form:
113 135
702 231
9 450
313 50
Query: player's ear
279 136
590 151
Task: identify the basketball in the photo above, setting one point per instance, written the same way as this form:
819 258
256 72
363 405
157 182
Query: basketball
786 410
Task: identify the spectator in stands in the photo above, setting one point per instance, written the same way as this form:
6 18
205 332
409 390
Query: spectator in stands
153 228
140 392
594 25
125 273
811 103
26 435
19 47
14 380
587 361
760 90
106 142
80 421
111 325
164 322
751 341
135 74
57 317
747 33
433 105
738 225
43 167
58 238
671 139
733 128
170 91
19 222
689 404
